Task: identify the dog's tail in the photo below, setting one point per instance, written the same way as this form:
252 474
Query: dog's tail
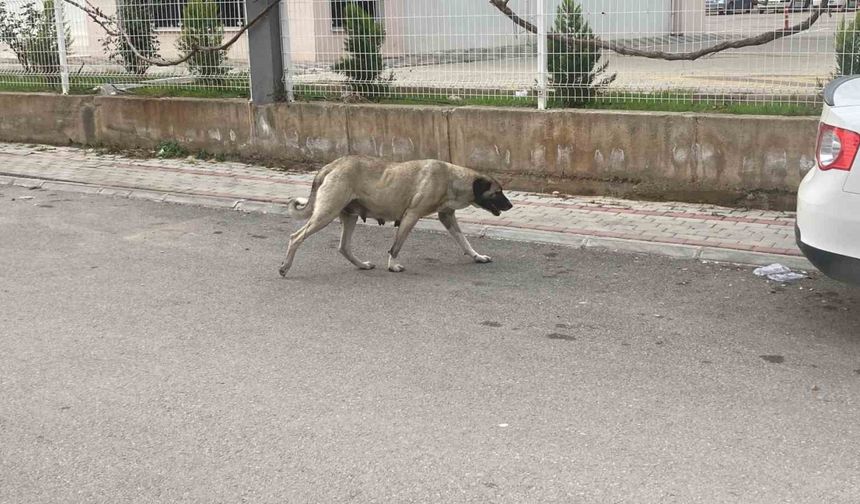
303 208
300 208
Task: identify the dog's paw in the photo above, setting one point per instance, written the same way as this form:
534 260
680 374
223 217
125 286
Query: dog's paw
482 258
396 268
283 270
367 265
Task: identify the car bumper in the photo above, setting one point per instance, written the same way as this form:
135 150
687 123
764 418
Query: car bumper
838 267
829 217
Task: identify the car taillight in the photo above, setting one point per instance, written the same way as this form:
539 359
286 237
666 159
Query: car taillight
836 148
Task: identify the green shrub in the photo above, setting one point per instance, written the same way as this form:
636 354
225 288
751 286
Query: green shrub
135 18
363 65
167 149
202 27
576 73
848 46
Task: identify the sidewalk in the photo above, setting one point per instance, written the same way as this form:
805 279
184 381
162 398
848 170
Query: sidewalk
676 229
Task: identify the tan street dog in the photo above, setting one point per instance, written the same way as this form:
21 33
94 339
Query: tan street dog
371 188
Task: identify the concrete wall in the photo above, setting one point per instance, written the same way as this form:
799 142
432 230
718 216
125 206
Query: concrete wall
47 118
749 160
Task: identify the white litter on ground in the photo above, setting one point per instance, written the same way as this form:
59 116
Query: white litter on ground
778 273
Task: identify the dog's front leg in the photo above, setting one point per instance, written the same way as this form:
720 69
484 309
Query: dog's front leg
406 224
345 246
450 222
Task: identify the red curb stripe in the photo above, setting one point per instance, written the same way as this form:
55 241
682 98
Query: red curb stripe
667 241
653 213
190 171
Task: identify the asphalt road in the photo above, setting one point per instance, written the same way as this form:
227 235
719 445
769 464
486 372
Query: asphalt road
151 353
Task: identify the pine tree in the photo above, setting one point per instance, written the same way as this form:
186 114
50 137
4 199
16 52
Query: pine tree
363 65
575 76
136 18
202 27
848 46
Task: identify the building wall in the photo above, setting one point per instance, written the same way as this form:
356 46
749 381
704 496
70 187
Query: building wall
89 45
429 26
300 21
625 18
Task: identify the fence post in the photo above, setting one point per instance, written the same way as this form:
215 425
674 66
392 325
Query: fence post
542 63
286 49
61 45
264 53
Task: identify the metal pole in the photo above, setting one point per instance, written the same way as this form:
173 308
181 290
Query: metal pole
286 50
542 63
61 45
675 18
264 53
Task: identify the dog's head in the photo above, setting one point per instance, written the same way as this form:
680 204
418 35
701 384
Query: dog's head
489 195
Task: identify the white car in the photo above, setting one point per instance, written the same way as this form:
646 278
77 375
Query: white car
780 5
828 200
836 4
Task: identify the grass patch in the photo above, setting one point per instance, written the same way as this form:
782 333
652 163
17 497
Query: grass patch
688 105
229 91
480 101
655 102
238 88
204 155
39 86
88 84
168 149
78 84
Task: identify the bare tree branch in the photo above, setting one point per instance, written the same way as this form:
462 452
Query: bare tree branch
597 43
110 26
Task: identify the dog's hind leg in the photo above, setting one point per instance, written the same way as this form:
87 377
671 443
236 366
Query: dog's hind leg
450 222
406 224
349 220
321 218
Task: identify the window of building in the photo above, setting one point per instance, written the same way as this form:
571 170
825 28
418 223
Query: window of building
168 13
338 10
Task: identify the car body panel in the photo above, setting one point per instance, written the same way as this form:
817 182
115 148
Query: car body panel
843 92
729 6
842 100
715 6
829 217
828 201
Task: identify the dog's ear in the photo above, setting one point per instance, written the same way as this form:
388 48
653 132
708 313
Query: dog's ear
480 186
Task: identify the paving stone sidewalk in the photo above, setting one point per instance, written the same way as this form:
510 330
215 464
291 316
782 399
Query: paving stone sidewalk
677 229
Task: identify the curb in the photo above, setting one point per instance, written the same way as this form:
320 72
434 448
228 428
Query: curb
677 251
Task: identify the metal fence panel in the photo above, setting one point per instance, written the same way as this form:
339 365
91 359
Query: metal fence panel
469 49
159 29
440 49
